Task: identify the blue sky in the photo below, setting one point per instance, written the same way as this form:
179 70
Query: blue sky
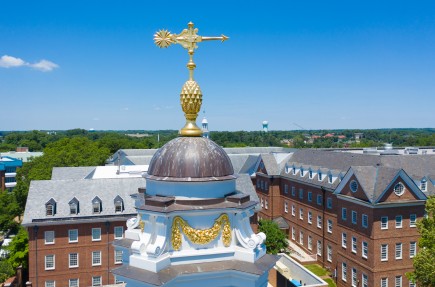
315 64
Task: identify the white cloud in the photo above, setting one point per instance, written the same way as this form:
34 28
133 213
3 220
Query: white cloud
10 62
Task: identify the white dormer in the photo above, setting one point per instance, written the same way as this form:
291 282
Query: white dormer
96 205
311 173
294 170
119 204
50 207
423 184
73 206
302 172
320 175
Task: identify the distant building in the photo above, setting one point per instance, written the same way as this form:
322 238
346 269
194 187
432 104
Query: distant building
358 137
22 153
265 126
8 172
205 131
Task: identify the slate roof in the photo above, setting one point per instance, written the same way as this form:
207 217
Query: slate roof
250 165
62 191
244 184
71 173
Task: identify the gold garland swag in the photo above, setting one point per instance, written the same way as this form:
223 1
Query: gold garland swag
201 236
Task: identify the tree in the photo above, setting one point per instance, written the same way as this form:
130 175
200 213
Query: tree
424 261
19 250
6 270
276 240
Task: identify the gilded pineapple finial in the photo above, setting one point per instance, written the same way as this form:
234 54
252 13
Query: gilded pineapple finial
191 96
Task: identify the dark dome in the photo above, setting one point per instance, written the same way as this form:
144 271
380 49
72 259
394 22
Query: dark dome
191 157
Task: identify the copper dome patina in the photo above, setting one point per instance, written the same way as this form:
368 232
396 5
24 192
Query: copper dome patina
190 159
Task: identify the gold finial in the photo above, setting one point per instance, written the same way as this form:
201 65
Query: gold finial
191 96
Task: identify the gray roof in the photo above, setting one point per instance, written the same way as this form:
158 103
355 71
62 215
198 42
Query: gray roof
62 191
71 172
238 160
250 165
244 184
270 163
138 160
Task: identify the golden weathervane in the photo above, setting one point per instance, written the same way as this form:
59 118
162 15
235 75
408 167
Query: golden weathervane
191 96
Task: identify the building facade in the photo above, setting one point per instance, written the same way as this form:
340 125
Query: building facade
8 172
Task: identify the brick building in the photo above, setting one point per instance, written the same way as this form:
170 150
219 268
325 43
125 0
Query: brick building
356 214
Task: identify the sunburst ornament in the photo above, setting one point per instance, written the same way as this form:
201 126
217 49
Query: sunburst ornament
163 39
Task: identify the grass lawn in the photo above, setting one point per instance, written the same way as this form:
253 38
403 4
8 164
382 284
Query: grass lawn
330 282
316 269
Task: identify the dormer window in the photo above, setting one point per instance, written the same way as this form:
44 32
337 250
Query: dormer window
74 206
310 174
302 172
423 185
119 204
96 205
320 176
50 207
330 178
294 170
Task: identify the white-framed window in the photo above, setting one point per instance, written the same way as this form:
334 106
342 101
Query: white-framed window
398 281
344 240
49 262
365 280
73 235
319 248
50 283
384 252
293 233
301 213
119 232
411 284
365 249
118 256
96 258
302 172
330 178
423 185
96 234
49 237
310 174
319 221
384 282
301 237
74 282
73 259
319 176
261 202
399 221
266 204
319 199
353 185
96 205
398 250
354 217
344 271
310 196
329 229
365 220
96 281
285 206
301 193
354 244
293 191
399 189
293 210
329 253
310 242
50 210
413 220
73 208
384 222
412 249
344 213
119 204
294 170
354 277
329 202
310 217
285 188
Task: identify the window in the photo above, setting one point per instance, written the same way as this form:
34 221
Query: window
301 237
365 249
384 252
329 226
301 193
344 213
73 206
49 212
329 253
398 281
310 242
354 244
74 282
423 185
344 240
344 271
49 237
319 248
411 284
310 196
365 280
96 258
398 221
319 199
266 204
301 214
365 221
49 262
320 176
329 202
412 249
330 178
96 234
310 217
398 250
384 282
73 235
354 278
310 174
293 233
413 220
50 283
261 202
119 204
96 205
384 222
399 189
294 170
293 191
354 217
286 207
353 186
293 210
302 172
73 260
118 256
119 232
96 281
319 221
285 188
